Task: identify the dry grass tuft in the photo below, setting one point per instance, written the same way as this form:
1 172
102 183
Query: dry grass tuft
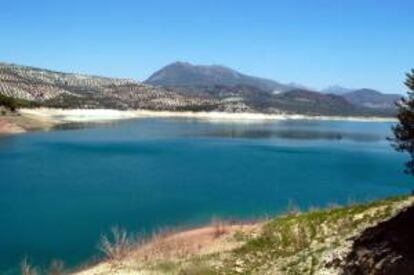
293 208
27 268
219 227
117 246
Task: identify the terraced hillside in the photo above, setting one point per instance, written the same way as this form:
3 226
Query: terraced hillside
37 84
56 89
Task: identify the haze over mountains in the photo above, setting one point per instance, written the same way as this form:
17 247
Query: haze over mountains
336 90
185 87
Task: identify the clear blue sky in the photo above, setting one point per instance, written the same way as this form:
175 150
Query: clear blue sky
354 43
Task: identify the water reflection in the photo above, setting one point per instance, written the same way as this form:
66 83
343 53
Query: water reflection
85 125
6 141
296 130
299 134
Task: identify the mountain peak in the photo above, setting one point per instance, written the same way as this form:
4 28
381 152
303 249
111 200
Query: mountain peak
188 75
180 63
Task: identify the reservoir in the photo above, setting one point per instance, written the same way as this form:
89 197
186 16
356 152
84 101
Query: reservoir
60 190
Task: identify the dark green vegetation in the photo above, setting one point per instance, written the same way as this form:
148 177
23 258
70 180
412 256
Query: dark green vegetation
404 130
180 87
13 104
8 102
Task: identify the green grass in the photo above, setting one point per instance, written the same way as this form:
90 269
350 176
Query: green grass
293 238
166 266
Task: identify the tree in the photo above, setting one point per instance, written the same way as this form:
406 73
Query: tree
8 102
403 140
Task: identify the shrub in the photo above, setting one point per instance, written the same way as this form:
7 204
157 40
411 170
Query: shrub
8 102
13 104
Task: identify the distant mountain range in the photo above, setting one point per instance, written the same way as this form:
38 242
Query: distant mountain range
365 97
186 75
184 87
372 99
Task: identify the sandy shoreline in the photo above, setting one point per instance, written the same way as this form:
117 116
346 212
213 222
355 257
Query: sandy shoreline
45 118
7 127
17 123
102 115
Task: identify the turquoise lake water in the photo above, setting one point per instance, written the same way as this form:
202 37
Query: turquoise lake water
60 190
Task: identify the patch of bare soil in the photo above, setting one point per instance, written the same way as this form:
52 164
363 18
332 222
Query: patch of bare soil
8 127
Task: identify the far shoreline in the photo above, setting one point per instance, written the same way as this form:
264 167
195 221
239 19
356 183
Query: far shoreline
35 119
96 115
